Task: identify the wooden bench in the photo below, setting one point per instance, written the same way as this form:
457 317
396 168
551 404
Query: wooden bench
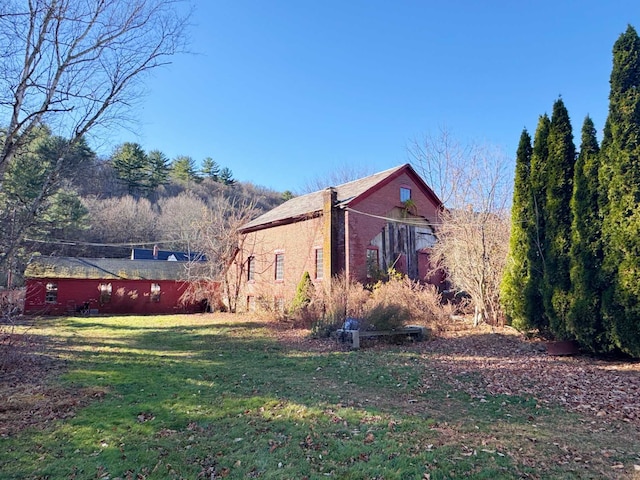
353 337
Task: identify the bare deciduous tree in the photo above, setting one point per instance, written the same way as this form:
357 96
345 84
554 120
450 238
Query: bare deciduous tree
338 176
121 220
77 65
179 217
216 236
473 235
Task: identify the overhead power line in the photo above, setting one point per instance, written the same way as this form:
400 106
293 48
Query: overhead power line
93 244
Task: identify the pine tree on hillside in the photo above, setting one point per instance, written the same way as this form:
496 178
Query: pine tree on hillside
130 163
183 169
226 176
158 169
621 219
558 189
210 169
584 320
536 316
516 275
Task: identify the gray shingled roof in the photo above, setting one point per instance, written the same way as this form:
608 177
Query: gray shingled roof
104 268
311 203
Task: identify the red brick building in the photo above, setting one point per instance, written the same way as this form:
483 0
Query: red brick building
61 286
361 228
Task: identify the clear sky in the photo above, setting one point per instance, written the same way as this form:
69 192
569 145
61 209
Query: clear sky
282 91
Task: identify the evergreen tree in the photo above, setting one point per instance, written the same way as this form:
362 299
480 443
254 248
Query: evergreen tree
37 198
536 315
210 168
158 169
558 189
131 166
183 168
621 218
226 176
584 320
287 195
516 275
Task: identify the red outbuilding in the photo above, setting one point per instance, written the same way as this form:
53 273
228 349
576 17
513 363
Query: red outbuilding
64 285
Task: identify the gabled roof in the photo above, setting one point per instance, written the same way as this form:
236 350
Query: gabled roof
311 204
104 269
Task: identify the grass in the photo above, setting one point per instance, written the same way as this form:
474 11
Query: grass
216 396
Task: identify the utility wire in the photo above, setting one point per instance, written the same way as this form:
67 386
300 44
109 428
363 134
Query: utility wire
93 244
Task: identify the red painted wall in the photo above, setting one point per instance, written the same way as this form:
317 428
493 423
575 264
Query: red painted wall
127 296
361 229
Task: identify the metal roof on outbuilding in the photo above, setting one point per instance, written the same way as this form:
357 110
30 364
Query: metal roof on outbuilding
105 268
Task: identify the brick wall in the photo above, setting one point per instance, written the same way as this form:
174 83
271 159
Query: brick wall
353 233
297 242
361 229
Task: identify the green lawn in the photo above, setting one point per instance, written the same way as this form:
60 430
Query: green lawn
216 396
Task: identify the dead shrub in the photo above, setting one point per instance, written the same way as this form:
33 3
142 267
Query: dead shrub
385 316
422 302
344 298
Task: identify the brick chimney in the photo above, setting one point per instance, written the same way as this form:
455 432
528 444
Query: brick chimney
329 233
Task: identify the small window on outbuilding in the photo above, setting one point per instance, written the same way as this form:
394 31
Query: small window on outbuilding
405 194
51 293
155 292
105 292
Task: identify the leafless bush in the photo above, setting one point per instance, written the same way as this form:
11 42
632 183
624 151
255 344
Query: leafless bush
11 305
424 304
331 306
385 316
392 304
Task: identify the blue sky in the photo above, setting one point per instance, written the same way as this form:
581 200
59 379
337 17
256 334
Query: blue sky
283 91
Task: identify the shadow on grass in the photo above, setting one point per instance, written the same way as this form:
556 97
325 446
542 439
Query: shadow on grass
223 399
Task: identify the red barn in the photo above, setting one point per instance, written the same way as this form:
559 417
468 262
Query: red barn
361 228
61 286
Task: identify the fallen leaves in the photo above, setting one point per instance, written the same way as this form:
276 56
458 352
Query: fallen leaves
509 365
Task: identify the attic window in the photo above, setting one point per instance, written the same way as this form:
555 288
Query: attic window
155 292
405 194
51 293
105 292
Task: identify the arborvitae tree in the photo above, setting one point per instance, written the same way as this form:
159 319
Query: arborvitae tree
584 321
131 163
304 293
536 316
158 169
516 275
210 168
558 189
621 219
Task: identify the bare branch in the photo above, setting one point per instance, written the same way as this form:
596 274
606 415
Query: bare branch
475 183
71 64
